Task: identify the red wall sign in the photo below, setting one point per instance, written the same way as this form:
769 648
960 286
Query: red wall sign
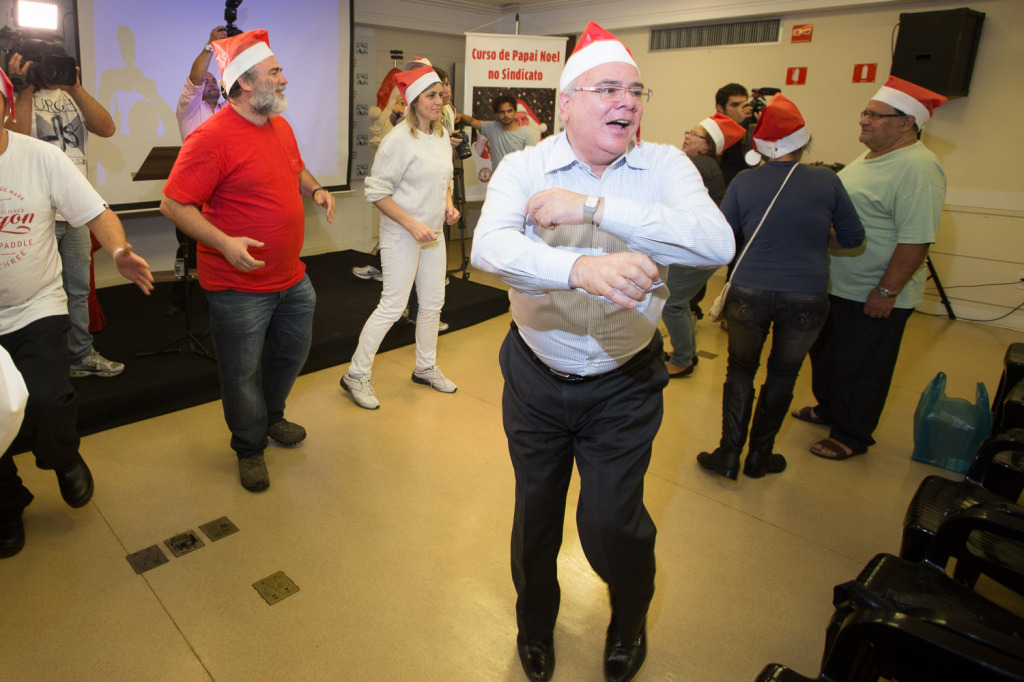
864 73
796 75
802 33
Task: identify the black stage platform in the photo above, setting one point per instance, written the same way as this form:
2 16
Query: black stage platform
156 385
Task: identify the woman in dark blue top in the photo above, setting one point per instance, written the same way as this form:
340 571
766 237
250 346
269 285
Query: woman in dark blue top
780 285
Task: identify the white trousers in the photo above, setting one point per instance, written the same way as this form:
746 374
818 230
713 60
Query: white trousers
405 261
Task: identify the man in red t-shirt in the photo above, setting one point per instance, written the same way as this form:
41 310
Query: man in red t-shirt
243 168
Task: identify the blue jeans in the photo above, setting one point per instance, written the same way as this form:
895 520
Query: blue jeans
794 319
683 284
261 341
75 247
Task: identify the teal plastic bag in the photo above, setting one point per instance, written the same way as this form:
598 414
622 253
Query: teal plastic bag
948 431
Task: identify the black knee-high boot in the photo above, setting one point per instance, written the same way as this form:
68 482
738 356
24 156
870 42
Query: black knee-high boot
737 401
771 410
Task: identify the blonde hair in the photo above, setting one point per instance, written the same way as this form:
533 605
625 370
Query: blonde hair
436 128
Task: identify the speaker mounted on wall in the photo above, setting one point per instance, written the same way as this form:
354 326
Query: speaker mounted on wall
936 50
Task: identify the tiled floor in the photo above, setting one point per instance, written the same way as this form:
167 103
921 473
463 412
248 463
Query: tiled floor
394 524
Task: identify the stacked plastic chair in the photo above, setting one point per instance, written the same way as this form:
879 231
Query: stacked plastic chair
904 617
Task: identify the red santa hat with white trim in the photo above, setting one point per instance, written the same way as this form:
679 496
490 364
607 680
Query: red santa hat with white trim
780 130
910 99
8 96
238 54
595 47
412 83
723 130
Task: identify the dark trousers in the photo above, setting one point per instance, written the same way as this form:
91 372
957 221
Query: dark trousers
852 363
606 425
794 320
49 430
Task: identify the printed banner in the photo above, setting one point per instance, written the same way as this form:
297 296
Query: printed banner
526 67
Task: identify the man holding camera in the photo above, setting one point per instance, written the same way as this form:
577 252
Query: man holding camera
64 115
200 96
244 168
504 135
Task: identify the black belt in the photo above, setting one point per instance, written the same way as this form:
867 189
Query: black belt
641 358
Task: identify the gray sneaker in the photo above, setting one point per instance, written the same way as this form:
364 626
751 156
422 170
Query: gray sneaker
95 364
361 390
286 432
432 377
368 272
253 473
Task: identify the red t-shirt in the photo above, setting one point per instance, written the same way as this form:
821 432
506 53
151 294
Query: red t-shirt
246 178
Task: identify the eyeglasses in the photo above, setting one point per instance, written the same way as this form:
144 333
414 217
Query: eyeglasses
874 116
616 93
694 133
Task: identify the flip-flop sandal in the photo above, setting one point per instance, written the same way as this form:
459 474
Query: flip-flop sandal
806 414
842 451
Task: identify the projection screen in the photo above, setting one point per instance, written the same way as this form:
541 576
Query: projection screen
135 57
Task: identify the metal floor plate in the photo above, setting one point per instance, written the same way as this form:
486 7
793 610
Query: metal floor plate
148 558
183 543
276 587
219 528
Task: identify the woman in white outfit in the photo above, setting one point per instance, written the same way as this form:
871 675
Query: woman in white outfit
410 184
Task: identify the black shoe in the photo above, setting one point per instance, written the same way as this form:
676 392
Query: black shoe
12 535
722 463
75 484
538 659
286 432
623 660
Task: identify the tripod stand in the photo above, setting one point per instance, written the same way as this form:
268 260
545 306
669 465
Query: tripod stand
938 285
459 199
182 274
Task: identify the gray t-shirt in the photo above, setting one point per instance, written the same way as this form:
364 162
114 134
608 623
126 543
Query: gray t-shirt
504 142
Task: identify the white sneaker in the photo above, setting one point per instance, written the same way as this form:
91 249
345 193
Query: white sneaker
368 272
95 364
361 390
432 377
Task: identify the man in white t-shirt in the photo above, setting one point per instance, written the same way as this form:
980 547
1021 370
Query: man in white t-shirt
37 181
64 115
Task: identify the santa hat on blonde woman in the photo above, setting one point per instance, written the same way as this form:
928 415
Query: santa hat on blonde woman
238 54
780 131
8 95
595 47
723 130
911 99
412 83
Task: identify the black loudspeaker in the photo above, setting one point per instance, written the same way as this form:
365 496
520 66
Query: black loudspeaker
936 50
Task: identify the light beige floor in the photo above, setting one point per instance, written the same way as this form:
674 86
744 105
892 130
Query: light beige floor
394 524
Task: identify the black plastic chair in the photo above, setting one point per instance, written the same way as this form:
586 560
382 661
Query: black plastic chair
986 482
911 622
1013 373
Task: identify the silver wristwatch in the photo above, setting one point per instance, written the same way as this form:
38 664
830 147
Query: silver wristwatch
208 47
885 293
589 208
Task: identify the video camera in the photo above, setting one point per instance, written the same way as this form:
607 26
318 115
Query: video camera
759 98
230 14
463 151
50 64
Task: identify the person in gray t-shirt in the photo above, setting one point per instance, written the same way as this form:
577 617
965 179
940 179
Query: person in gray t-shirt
504 135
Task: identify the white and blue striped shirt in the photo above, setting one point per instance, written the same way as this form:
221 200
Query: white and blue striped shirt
654 203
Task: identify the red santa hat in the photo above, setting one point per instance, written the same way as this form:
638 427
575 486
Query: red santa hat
595 47
8 96
780 130
723 130
238 54
412 83
910 99
415 63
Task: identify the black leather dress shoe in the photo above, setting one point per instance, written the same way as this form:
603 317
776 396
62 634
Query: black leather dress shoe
12 535
538 659
76 484
623 660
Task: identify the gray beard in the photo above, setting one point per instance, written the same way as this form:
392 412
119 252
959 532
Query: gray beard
268 103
